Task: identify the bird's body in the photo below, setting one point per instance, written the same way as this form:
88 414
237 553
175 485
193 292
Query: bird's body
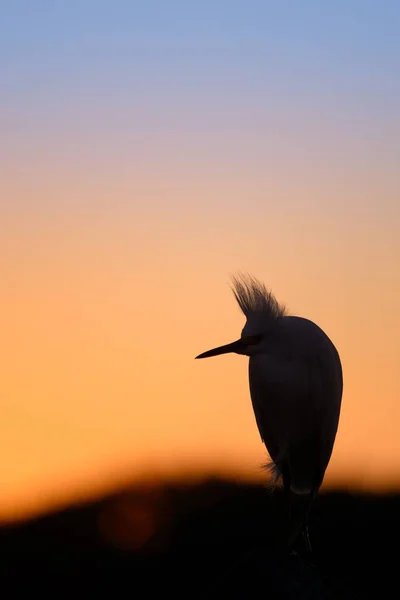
296 389
296 385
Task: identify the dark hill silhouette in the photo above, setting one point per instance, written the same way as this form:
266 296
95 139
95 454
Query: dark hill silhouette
215 539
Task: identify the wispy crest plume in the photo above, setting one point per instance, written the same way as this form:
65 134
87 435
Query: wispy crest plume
253 297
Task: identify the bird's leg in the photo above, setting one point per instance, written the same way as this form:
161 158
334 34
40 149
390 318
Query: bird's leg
305 533
286 491
298 524
306 538
288 503
297 516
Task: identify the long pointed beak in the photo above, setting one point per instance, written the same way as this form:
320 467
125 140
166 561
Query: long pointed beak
237 347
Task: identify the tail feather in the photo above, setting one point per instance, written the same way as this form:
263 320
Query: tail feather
274 472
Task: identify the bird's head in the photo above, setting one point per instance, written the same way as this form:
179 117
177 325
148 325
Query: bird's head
261 310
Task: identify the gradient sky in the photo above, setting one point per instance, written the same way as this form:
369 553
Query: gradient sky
149 149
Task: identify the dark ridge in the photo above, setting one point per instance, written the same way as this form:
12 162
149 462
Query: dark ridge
217 539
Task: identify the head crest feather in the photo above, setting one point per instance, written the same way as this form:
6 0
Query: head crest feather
254 298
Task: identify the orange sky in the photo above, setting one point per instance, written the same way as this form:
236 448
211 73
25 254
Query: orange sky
118 235
101 321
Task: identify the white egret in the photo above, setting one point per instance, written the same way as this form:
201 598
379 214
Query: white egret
296 385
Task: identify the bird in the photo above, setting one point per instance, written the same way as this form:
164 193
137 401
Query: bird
296 386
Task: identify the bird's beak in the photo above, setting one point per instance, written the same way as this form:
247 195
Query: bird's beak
237 347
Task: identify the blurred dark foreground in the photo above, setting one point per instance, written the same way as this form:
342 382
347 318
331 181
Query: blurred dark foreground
215 539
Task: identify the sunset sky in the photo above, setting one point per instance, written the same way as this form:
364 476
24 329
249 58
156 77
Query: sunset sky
149 149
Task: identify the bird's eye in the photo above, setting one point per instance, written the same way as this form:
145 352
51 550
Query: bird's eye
251 340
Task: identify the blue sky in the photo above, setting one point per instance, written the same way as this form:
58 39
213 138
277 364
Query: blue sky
336 39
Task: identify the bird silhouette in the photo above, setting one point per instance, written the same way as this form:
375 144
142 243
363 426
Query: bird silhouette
296 387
